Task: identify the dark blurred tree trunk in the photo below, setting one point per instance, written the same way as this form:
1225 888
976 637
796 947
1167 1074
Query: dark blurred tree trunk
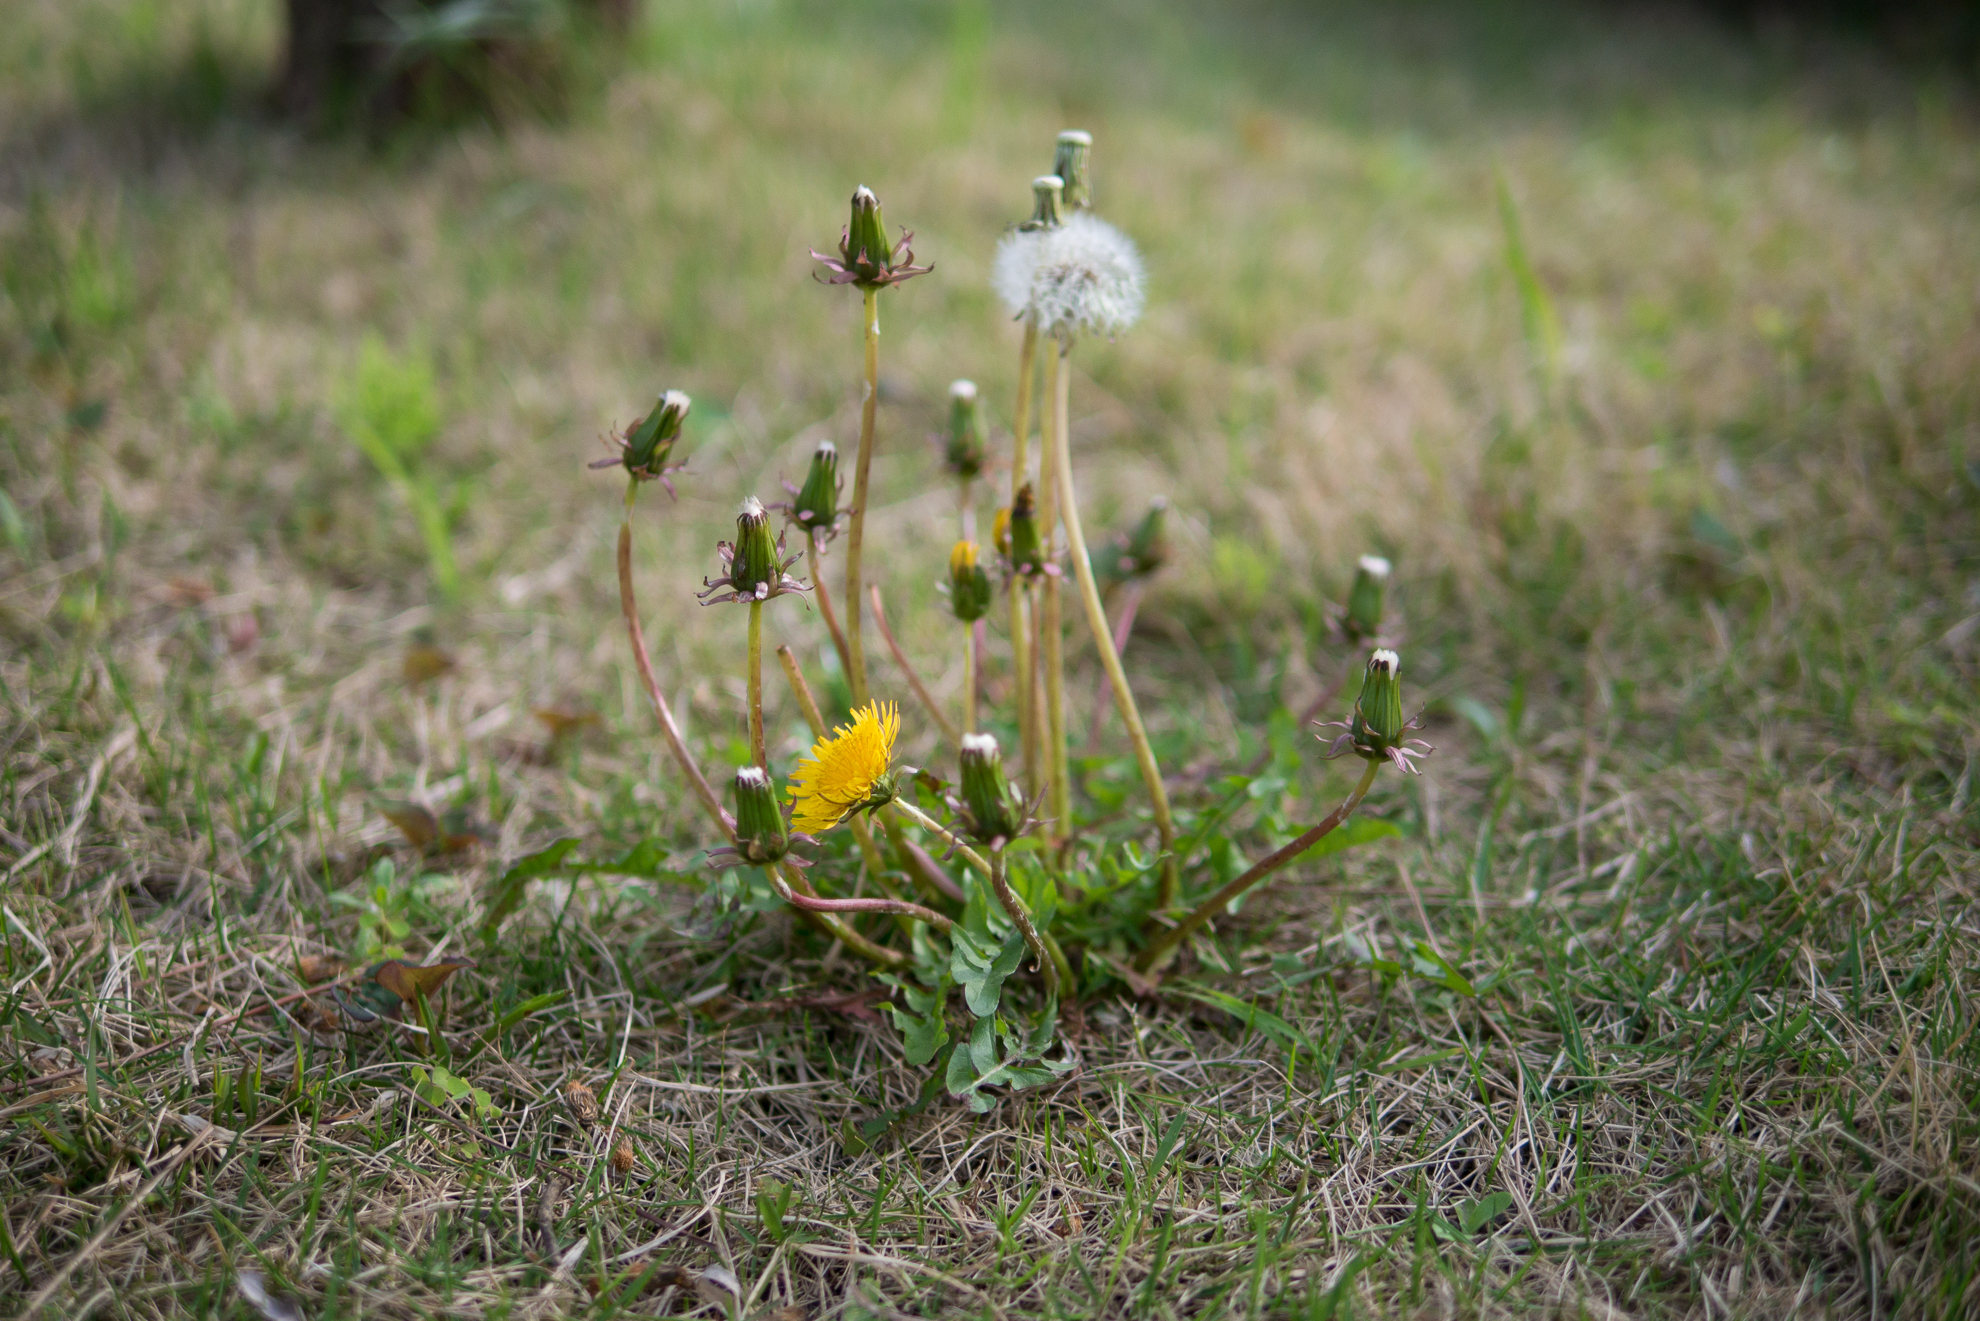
333 59
329 58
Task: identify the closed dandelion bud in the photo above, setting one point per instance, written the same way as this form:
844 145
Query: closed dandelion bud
963 449
1072 165
582 1102
1047 203
994 807
1378 714
623 1157
969 585
760 834
817 505
1144 550
866 233
645 447
755 569
1026 555
1364 606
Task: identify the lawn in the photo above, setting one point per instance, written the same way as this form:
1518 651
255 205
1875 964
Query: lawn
1646 351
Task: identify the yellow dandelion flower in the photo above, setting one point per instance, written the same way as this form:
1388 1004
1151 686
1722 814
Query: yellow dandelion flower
847 769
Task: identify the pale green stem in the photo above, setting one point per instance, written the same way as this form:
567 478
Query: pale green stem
1020 641
756 685
862 468
824 595
1051 629
941 832
969 678
1164 945
1103 641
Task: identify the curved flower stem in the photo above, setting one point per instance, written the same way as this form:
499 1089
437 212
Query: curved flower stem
1096 617
1129 602
943 833
794 890
825 608
1164 945
756 685
862 468
629 607
928 701
969 678
1015 907
1051 629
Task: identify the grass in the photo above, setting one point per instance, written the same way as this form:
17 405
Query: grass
1647 354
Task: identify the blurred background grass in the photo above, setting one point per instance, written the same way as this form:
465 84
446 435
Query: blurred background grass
1746 430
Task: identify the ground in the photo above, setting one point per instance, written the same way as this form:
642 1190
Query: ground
1646 350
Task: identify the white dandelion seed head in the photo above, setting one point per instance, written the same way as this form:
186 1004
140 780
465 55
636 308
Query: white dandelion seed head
1086 276
1374 566
1011 271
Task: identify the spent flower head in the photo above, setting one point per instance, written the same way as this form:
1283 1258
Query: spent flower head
1363 619
760 835
1141 551
815 506
849 770
1072 162
991 807
968 585
1377 730
645 447
1020 531
1016 263
962 446
865 257
755 562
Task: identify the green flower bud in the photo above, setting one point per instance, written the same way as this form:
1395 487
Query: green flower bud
969 585
963 450
817 505
1072 165
651 441
1142 551
754 569
760 834
1027 556
866 234
1364 606
1047 208
994 807
1378 714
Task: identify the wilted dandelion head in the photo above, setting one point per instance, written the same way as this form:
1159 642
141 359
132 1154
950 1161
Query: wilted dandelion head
1085 276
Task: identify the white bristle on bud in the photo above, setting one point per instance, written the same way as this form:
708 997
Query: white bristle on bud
1374 566
1386 660
752 777
751 508
979 745
962 389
